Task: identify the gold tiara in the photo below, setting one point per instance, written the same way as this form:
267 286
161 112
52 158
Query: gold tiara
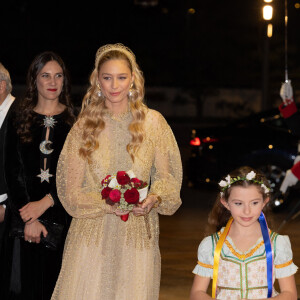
114 47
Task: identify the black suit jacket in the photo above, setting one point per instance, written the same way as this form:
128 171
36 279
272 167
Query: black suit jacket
3 130
3 186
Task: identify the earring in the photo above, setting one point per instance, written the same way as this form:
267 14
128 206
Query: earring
99 93
130 92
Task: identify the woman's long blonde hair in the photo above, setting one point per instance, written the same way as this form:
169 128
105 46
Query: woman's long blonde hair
93 107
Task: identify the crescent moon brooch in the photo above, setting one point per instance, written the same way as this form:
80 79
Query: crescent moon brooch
45 147
49 121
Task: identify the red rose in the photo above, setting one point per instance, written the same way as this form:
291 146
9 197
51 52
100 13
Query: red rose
102 182
115 196
124 217
123 178
105 192
132 196
143 184
136 182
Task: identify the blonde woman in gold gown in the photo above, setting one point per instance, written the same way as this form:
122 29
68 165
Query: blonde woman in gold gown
106 258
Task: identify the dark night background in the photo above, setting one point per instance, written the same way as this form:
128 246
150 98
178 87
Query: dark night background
195 47
219 44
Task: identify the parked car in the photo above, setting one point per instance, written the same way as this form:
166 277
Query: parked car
262 141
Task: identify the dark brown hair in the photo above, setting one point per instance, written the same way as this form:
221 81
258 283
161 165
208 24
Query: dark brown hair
24 109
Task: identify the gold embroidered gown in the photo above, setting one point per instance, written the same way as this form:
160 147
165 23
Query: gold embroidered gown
106 258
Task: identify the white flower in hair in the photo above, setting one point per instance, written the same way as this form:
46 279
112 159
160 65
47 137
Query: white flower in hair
250 175
223 183
266 189
228 179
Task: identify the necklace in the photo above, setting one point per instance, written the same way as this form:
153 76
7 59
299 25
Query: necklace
119 117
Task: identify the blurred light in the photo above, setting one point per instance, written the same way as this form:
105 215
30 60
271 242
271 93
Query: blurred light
267 12
191 11
270 146
262 120
268 1
195 142
146 2
270 30
210 147
209 140
207 180
164 10
277 202
297 5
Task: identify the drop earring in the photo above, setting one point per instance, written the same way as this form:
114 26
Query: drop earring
99 93
130 92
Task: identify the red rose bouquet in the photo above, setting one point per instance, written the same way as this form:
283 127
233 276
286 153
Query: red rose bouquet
123 188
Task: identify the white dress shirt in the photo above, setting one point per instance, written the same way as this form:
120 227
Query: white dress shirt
4 107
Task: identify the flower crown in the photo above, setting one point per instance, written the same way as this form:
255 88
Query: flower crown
225 184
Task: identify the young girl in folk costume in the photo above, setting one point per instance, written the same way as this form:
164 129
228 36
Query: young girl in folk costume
243 256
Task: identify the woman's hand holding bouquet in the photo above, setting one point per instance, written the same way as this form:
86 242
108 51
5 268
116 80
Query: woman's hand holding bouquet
146 206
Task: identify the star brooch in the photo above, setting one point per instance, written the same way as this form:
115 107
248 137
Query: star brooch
49 121
44 175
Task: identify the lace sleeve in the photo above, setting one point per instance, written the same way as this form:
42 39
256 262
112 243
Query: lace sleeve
76 190
166 175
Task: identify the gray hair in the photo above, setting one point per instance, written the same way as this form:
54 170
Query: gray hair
4 76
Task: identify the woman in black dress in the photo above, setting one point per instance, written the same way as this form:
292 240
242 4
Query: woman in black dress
36 132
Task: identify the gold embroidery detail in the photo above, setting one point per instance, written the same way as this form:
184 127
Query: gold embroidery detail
284 265
243 256
119 117
205 265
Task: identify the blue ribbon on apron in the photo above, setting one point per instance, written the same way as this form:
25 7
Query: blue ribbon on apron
269 255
